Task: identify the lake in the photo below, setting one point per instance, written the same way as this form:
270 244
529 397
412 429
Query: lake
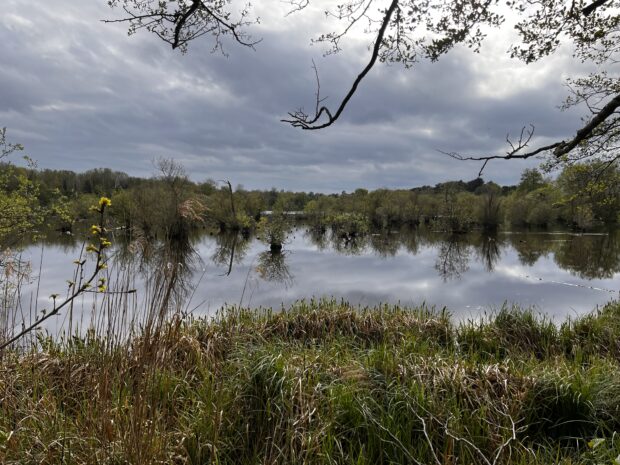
559 273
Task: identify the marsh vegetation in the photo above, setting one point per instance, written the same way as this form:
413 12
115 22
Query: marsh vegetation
135 370
321 382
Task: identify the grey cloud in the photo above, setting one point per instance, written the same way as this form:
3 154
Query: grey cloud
81 94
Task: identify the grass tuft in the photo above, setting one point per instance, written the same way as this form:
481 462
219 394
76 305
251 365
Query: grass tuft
321 382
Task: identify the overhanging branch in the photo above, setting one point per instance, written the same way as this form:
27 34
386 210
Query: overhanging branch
592 6
587 131
179 27
182 19
299 119
557 149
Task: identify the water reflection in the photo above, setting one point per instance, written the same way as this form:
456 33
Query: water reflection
560 273
166 267
318 237
488 251
230 249
385 245
530 248
411 242
452 257
272 266
590 257
348 245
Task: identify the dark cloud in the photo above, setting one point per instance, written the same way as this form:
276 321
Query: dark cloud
81 94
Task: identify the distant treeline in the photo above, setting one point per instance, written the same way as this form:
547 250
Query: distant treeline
583 197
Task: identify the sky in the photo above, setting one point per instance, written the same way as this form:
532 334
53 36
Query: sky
80 94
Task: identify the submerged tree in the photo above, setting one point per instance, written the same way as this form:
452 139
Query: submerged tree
407 31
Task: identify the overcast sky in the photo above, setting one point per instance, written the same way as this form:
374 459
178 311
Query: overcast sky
81 94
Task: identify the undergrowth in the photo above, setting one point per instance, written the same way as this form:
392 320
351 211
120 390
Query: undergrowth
321 382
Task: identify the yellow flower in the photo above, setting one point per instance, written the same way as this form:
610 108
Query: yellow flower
104 202
95 229
101 288
91 248
104 242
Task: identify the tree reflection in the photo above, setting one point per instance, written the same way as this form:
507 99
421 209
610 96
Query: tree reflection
348 245
14 273
166 268
385 245
272 267
317 237
530 247
230 249
488 250
411 240
452 258
590 256
165 272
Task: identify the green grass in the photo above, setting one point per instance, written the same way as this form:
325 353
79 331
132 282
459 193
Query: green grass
322 383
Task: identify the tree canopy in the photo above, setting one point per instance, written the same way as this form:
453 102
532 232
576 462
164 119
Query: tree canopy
408 31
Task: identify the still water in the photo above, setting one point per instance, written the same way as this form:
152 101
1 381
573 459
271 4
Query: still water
559 273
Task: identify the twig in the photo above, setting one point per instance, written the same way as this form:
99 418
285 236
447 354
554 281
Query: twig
79 290
558 149
301 120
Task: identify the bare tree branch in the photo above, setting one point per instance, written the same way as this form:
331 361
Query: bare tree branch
584 133
301 120
231 197
319 100
557 149
7 148
408 30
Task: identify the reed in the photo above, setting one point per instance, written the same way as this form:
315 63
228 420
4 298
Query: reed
321 382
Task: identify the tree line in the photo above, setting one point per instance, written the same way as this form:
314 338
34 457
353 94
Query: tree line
583 196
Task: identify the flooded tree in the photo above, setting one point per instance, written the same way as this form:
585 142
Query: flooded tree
274 230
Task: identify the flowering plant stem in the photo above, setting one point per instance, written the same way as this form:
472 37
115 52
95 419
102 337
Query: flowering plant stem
97 230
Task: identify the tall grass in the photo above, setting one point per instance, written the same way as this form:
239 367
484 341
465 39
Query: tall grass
321 382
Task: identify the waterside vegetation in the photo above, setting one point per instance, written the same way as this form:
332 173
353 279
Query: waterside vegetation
321 382
583 197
